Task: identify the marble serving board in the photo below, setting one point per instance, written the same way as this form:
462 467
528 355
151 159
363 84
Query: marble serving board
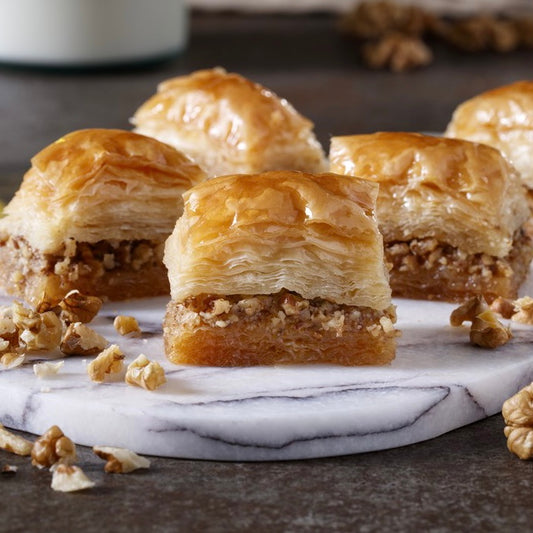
438 382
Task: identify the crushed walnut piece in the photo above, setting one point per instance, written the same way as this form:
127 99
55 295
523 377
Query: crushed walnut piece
51 448
12 359
109 361
523 310
36 331
70 478
483 32
127 325
78 307
120 460
80 339
517 412
8 469
370 20
14 443
486 330
503 306
47 369
145 373
398 52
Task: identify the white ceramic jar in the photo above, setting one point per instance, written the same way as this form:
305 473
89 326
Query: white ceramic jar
90 32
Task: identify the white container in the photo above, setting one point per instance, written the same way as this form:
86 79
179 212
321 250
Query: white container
90 32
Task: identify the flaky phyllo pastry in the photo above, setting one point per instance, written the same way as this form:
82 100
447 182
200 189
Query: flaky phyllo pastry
451 212
279 267
229 124
502 118
92 214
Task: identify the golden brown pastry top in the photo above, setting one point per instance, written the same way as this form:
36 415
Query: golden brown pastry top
257 234
229 124
503 118
459 192
98 184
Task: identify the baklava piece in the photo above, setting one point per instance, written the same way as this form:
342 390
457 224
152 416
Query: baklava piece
228 125
502 118
92 214
275 268
451 212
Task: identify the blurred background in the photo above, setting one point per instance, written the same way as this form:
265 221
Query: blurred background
351 67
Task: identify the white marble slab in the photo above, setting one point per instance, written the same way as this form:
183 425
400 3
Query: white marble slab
437 382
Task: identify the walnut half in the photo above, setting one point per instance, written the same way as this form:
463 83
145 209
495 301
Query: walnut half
517 412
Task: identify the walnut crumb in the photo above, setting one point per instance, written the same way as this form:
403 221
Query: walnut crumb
127 325
37 331
12 360
14 443
45 370
120 460
109 361
397 52
145 373
70 478
8 469
523 310
80 339
503 306
53 447
517 412
485 331
78 307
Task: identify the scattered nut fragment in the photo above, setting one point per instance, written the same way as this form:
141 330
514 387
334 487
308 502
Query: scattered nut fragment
78 307
523 308
14 443
486 331
369 20
468 311
38 331
126 325
483 32
53 447
145 373
120 460
503 306
109 361
80 339
12 360
45 370
517 412
398 52
8 469
70 478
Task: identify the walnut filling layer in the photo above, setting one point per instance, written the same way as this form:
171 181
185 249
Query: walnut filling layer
282 310
427 268
114 270
77 259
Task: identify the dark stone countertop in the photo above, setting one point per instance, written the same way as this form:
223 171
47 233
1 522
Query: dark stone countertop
465 480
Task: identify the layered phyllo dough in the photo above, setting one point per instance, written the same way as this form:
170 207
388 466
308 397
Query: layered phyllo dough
503 118
452 213
278 267
92 213
229 124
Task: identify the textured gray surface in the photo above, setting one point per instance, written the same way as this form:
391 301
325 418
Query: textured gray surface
463 481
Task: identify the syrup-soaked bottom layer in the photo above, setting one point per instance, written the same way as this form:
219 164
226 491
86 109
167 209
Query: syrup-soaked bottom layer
282 328
429 270
112 270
